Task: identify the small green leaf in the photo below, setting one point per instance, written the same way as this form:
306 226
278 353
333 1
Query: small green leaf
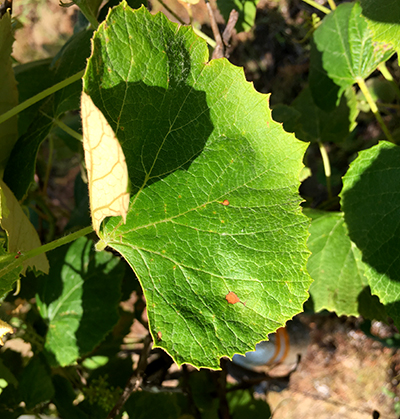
247 12
371 203
215 206
345 42
79 299
335 265
383 19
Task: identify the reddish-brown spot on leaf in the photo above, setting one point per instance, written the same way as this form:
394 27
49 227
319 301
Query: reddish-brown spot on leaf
159 335
232 298
225 202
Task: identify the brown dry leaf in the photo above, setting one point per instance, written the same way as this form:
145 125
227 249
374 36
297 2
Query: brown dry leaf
105 164
21 234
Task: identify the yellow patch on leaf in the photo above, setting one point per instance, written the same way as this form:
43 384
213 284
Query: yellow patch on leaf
105 164
21 234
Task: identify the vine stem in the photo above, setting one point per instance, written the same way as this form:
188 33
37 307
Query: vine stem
323 9
332 4
47 92
42 249
363 87
327 167
135 380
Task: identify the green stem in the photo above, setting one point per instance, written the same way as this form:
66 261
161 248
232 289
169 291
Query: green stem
42 249
374 108
332 4
47 92
323 9
209 40
48 168
327 167
68 130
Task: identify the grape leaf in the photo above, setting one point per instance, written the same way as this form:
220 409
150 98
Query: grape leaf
214 181
78 299
383 20
345 42
371 203
335 265
105 164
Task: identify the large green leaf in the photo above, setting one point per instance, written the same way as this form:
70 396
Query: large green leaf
8 91
371 204
345 41
215 206
78 299
383 19
335 265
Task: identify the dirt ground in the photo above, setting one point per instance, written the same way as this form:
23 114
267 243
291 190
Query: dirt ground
344 374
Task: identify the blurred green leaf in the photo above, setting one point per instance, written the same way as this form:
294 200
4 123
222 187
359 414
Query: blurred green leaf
72 58
8 91
247 12
35 383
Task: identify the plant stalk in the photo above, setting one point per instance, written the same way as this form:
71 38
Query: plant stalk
68 130
42 249
47 92
327 167
374 108
332 4
322 9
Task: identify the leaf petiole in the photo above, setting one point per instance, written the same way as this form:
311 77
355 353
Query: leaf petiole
47 92
323 9
363 87
327 167
43 249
